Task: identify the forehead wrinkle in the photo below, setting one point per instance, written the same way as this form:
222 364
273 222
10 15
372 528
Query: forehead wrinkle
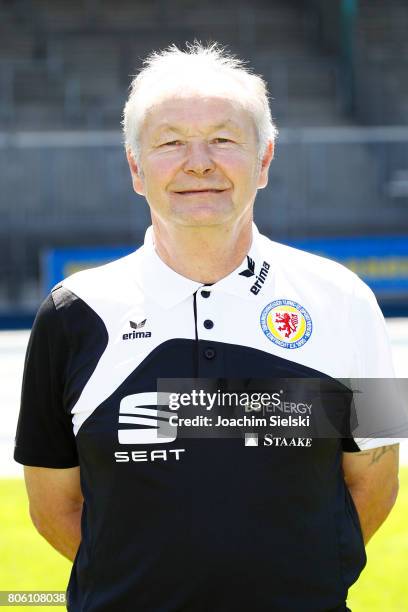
168 127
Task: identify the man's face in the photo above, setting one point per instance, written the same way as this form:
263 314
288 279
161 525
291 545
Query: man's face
199 161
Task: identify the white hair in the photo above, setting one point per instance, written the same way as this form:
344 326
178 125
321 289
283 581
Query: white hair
199 70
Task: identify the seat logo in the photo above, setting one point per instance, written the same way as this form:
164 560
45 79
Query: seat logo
149 419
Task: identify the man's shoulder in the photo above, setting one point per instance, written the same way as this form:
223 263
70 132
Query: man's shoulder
102 280
318 271
107 271
98 288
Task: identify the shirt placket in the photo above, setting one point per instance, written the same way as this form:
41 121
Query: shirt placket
209 314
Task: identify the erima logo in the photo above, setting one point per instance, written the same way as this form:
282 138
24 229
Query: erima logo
137 334
250 271
260 278
137 325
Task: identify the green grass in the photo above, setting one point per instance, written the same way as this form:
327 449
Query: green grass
29 563
383 585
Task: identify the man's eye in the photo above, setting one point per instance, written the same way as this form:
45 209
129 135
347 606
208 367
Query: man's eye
221 140
171 143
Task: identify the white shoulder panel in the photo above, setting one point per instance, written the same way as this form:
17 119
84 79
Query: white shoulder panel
113 292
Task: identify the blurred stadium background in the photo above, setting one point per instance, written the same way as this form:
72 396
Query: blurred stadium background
337 72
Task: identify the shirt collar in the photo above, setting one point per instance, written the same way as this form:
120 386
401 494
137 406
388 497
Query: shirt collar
169 288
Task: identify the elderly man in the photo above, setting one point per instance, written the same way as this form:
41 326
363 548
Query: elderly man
159 523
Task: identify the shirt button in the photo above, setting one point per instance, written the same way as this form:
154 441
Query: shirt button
208 324
209 353
205 294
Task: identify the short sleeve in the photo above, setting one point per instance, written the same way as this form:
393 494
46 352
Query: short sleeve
44 435
378 403
368 331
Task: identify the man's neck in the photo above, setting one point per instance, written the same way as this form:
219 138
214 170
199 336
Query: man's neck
205 254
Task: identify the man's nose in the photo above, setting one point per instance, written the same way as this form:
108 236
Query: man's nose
199 160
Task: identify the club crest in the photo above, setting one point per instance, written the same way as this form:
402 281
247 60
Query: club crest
286 323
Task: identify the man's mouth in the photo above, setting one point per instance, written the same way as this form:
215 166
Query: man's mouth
197 191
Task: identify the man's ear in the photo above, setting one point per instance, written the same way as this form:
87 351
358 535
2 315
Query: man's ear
265 163
137 176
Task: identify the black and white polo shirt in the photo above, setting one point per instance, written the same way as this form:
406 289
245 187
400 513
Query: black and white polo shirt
174 524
